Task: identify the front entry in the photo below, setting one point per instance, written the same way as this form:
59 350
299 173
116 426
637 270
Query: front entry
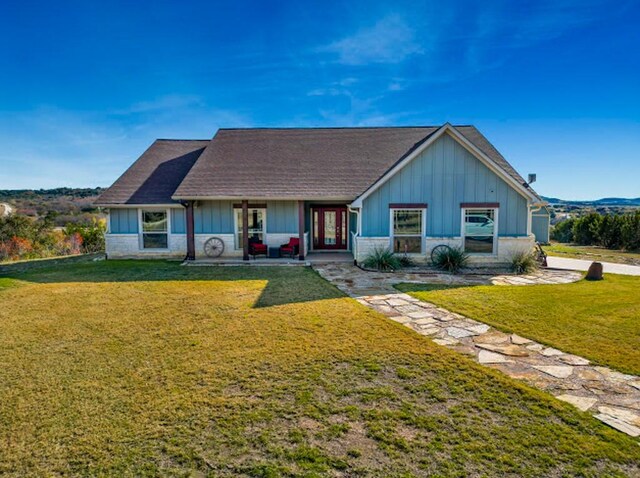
330 227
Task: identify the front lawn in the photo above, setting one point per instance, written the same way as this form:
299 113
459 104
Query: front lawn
152 368
597 320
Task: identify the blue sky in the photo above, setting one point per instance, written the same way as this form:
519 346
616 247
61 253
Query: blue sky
86 86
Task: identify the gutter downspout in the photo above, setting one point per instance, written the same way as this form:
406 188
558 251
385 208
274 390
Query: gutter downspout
357 234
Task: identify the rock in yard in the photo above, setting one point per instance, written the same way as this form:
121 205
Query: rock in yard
619 425
517 340
558 371
574 360
511 350
489 357
581 403
594 272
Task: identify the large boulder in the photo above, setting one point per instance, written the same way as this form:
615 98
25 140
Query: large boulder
594 272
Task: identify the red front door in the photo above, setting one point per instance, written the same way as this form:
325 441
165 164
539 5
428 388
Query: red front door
330 228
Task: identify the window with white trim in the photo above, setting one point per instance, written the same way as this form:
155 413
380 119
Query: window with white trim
407 230
257 225
155 229
479 230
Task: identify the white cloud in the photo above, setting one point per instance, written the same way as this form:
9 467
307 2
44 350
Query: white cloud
390 40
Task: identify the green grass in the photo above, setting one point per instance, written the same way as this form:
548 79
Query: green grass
597 320
151 368
592 253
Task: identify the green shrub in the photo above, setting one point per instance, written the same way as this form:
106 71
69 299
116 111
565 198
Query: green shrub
92 235
382 259
451 260
406 261
563 231
523 262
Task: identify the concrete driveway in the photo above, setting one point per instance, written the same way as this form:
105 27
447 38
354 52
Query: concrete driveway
582 265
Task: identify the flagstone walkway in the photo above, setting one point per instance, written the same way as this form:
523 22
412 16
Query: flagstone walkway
612 397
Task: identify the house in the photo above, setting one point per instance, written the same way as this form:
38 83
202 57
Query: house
5 209
335 189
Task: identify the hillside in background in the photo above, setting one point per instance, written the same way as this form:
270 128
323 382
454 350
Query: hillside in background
63 205
596 202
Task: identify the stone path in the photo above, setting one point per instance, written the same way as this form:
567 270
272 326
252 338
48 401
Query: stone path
612 397
583 265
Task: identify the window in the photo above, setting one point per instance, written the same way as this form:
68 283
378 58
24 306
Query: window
154 230
407 229
479 230
257 225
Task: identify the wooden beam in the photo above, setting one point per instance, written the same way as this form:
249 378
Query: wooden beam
191 240
301 228
245 230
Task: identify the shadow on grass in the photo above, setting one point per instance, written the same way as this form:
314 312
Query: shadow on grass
284 285
408 287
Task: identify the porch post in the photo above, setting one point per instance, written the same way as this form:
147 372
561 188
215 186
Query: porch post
191 241
301 228
245 230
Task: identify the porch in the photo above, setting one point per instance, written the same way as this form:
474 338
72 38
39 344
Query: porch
248 230
312 258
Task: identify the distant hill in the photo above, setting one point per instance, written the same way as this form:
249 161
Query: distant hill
620 202
64 205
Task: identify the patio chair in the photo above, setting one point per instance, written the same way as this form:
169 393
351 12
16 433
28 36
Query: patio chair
257 248
291 248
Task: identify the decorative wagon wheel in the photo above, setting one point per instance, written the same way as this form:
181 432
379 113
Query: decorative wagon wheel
213 247
436 251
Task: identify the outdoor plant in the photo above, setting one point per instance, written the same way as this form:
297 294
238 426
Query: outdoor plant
523 262
406 261
451 259
382 259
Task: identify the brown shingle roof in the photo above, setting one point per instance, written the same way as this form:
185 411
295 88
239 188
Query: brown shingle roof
155 176
309 162
294 163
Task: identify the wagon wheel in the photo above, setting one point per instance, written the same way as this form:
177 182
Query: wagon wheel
213 247
436 251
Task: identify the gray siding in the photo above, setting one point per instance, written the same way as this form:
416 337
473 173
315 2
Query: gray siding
178 221
213 217
123 221
540 225
444 176
216 217
282 217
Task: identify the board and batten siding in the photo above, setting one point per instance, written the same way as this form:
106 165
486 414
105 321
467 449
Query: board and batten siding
540 225
123 221
179 221
216 217
444 176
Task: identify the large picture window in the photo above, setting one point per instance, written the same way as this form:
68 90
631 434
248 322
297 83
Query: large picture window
407 230
155 230
257 225
479 230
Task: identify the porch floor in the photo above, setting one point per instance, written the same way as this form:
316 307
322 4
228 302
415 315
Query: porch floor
311 258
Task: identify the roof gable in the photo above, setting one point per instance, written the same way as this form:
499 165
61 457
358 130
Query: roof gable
470 138
155 176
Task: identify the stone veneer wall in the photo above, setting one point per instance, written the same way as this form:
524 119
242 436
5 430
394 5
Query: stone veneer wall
125 246
507 247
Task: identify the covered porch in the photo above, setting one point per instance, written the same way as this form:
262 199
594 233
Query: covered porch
255 230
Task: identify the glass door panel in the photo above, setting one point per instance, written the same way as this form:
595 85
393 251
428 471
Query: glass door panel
330 228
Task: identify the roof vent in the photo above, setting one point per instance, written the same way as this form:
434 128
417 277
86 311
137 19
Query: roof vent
532 178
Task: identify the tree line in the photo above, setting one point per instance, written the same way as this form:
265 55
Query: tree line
24 237
613 231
